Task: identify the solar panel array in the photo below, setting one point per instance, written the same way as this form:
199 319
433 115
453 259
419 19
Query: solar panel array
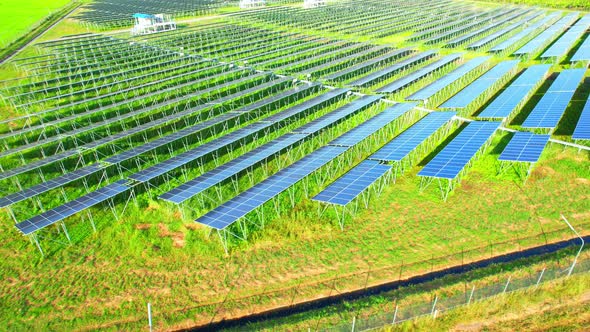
438 85
347 72
554 102
548 35
480 85
231 168
488 39
524 147
249 200
378 75
371 126
419 74
53 216
401 146
514 94
453 158
349 186
583 53
565 43
582 130
512 41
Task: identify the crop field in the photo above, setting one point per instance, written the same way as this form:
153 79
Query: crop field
21 16
255 159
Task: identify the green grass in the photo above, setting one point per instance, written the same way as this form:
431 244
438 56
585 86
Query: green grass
561 4
21 16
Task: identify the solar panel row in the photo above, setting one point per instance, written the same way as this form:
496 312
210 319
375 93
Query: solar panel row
372 125
554 102
565 43
437 86
346 188
380 74
512 41
453 158
524 147
53 216
249 200
488 39
548 35
480 85
583 53
514 94
582 130
349 71
402 145
419 74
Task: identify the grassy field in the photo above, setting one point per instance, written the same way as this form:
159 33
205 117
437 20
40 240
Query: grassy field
23 15
153 254
562 4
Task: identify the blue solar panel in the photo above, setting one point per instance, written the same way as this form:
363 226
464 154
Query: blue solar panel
48 185
524 147
419 74
515 94
488 39
554 102
52 216
232 138
480 85
582 130
401 146
231 168
548 35
339 114
372 125
249 200
583 53
449 163
353 183
381 74
565 43
512 41
302 108
437 86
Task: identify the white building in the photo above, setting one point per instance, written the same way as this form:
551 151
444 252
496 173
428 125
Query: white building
244 4
146 24
313 3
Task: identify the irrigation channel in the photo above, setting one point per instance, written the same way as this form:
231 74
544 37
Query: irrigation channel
285 311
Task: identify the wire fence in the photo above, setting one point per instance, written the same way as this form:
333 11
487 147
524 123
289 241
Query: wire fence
476 291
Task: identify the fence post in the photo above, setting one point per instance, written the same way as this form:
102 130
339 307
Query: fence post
149 308
540 276
471 295
394 315
353 323
507 283
434 306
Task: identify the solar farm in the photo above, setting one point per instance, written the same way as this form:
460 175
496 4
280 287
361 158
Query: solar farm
281 145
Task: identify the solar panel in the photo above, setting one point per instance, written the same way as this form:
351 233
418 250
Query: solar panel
480 85
341 113
548 35
437 86
52 216
512 41
420 73
488 39
380 74
231 168
48 185
318 101
565 43
353 183
249 200
453 158
513 95
372 125
554 102
401 146
368 64
582 130
524 147
583 53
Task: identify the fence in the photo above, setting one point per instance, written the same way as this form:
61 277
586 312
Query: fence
474 292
